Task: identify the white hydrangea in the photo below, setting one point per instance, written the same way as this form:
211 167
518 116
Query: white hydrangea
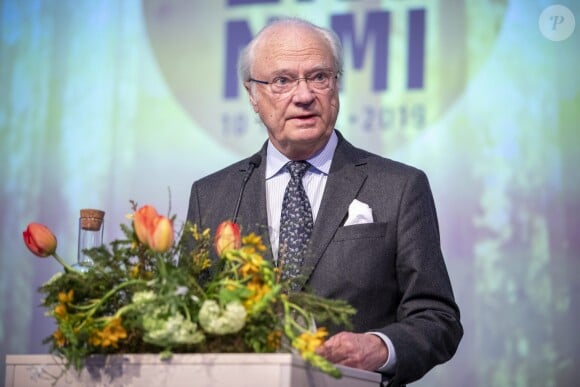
173 330
184 331
214 319
144 296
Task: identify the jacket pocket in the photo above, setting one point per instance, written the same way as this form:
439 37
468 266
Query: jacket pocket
361 231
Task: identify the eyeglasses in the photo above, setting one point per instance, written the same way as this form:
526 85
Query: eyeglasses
319 81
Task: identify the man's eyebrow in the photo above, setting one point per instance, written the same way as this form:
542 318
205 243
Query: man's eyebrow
282 72
288 72
318 69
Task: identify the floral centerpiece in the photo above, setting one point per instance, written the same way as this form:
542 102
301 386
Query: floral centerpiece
153 292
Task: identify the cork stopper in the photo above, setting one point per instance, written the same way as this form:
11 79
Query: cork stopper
91 219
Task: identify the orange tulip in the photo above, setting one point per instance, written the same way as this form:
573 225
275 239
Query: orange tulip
39 240
143 222
162 238
152 229
227 237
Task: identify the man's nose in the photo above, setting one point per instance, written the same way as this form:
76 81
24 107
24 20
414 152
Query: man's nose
303 92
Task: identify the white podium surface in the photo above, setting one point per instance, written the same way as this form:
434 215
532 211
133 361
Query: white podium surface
191 370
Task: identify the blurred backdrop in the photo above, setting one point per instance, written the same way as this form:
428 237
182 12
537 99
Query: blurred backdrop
102 102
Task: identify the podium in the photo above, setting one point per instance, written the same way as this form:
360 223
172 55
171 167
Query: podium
183 370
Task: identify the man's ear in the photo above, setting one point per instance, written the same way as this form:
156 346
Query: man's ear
253 100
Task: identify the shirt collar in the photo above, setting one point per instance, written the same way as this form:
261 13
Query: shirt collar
275 160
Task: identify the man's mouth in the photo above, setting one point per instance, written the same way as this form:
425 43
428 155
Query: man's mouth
304 117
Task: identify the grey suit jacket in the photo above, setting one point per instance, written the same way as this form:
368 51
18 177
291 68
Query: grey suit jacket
392 271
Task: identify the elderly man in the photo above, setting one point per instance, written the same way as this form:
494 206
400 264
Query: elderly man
349 224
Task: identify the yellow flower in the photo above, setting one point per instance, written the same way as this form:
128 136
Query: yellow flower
252 266
95 339
134 273
115 329
60 310
273 340
308 341
259 290
110 335
66 298
254 241
201 261
197 235
59 337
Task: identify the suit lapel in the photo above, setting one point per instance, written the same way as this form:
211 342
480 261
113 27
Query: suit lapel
344 181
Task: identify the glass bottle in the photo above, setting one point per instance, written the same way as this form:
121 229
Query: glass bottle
91 225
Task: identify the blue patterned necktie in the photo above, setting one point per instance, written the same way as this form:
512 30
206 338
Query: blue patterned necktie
295 222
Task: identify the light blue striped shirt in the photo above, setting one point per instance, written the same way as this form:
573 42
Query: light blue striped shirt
277 178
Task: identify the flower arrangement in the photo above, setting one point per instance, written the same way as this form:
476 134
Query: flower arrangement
153 293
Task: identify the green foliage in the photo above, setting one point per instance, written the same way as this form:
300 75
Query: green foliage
135 300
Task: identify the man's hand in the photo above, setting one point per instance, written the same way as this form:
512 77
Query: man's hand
357 350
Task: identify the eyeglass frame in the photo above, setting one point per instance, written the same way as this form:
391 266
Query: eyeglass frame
296 81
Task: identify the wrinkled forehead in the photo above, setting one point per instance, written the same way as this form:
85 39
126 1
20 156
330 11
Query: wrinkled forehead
289 45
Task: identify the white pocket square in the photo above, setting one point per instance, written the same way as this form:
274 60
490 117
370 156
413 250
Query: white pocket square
359 213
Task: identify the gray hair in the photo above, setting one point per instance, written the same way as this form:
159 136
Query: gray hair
246 59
